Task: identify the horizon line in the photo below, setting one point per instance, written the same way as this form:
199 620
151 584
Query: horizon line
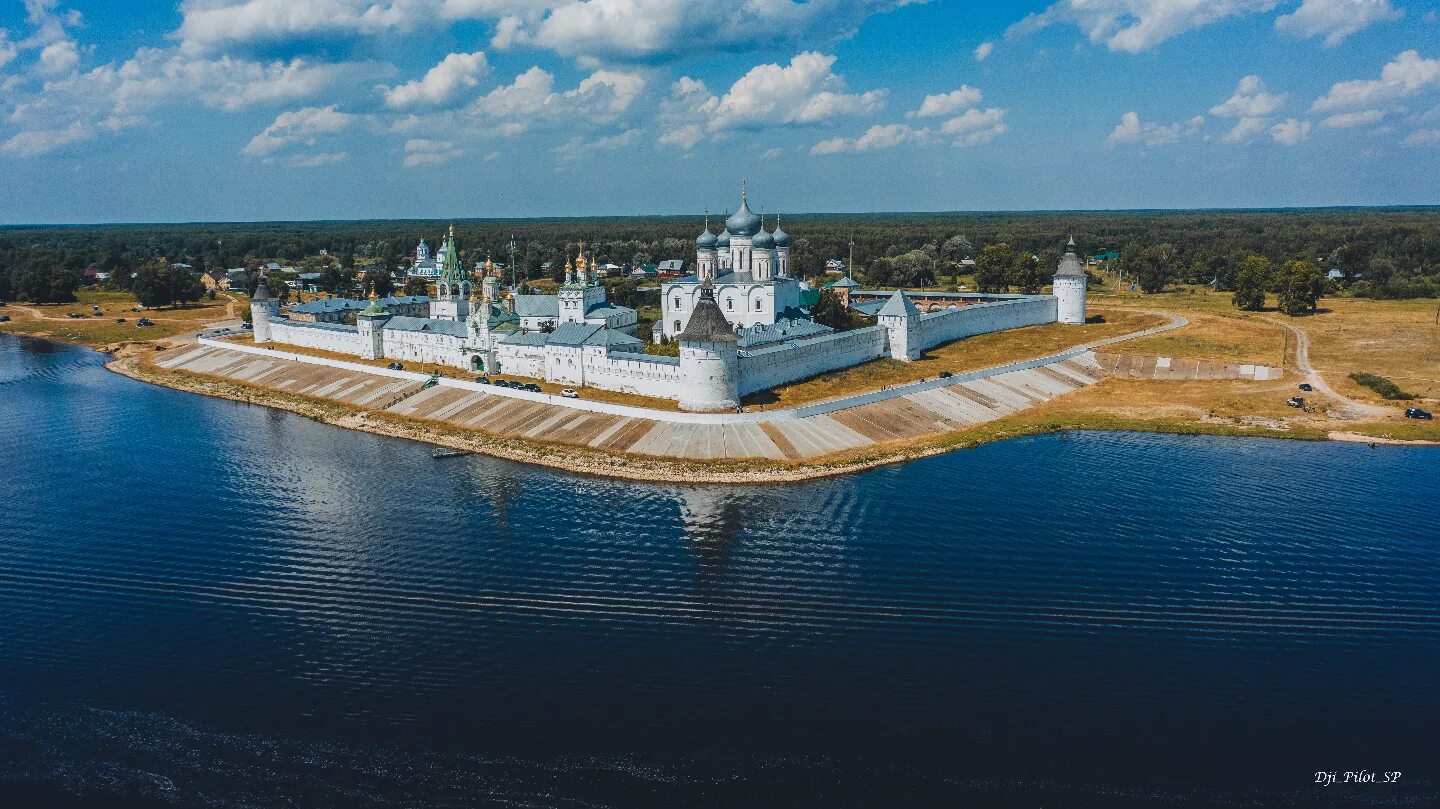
952 212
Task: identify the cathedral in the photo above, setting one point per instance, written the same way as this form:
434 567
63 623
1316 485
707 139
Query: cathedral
748 269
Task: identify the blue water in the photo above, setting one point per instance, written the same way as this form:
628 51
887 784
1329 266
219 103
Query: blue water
205 603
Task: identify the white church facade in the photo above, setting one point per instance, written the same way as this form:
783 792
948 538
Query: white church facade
737 321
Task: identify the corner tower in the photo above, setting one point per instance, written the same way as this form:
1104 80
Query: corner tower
709 358
1069 286
263 309
902 325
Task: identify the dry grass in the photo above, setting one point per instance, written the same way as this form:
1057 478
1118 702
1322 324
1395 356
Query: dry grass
1395 339
971 353
49 320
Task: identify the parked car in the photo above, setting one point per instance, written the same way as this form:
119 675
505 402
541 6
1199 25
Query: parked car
4 318
1306 386
119 320
945 374
533 388
569 393
1417 413
484 380
395 366
500 383
1295 401
144 321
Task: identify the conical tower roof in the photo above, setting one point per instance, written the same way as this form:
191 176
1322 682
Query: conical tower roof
452 272
707 323
1070 262
899 305
262 290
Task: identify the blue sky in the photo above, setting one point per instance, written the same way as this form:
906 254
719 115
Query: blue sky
203 110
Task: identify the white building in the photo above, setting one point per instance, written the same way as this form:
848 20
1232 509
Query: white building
1069 287
749 271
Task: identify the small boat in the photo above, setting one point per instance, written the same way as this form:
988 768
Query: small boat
447 452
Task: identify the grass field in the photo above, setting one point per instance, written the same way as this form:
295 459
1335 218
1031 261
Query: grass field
1395 339
50 320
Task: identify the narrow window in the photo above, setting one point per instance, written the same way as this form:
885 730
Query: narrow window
729 304
677 326
757 304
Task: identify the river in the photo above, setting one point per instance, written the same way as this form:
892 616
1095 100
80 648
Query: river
207 603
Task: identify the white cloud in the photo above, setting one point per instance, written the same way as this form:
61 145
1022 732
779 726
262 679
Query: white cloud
298 126
801 93
660 29
1290 132
59 58
1245 130
601 97
935 106
427 152
8 49
213 25
1404 76
686 137
1250 100
976 127
1132 130
1335 19
114 97
577 147
1423 137
876 137
1345 120
313 160
1137 25
441 83
983 51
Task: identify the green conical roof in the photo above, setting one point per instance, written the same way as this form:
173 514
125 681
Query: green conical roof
452 272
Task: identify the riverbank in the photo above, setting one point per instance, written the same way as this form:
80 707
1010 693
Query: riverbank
1237 409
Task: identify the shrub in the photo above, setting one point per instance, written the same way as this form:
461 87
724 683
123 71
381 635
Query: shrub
1381 385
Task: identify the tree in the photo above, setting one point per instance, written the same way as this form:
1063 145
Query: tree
1301 285
829 311
332 279
416 286
993 268
1027 274
152 284
1155 267
956 247
913 269
378 280
1251 280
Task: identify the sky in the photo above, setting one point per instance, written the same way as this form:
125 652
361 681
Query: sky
234 110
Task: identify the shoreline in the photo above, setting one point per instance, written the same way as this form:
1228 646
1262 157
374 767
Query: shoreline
127 361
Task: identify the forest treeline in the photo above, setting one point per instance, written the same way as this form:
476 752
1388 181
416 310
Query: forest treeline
1380 252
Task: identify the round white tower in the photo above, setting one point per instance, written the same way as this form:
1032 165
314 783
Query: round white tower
1069 287
709 358
263 307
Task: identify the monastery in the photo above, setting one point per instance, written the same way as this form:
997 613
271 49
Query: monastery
737 319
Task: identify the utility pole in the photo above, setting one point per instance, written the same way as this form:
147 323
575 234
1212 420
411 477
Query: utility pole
850 268
512 259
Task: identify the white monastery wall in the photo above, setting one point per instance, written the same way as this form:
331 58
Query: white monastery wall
775 365
342 341
982 318
629 372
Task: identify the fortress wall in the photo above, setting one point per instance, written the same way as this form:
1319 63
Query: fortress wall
346 341
983 318
516 360
629 372
765 368
425 347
